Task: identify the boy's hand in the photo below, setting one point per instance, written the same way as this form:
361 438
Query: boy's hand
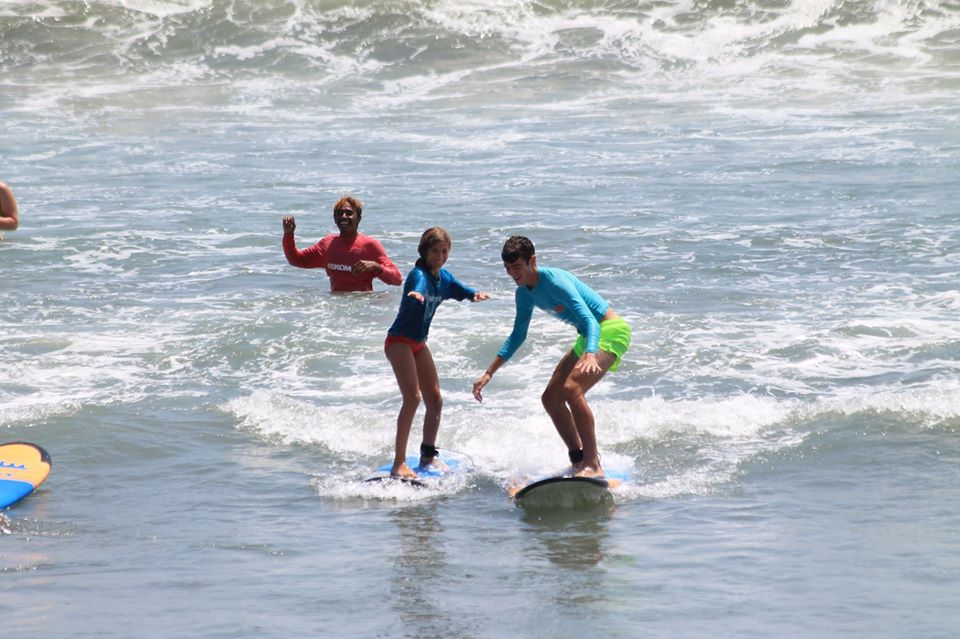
478 386
588 364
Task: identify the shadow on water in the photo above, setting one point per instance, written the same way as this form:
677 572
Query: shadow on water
573 539
574 544
419 569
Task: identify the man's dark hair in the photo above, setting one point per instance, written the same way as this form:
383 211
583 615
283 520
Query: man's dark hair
516 247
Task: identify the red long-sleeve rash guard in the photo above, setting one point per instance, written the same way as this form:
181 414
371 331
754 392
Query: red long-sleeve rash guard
338 256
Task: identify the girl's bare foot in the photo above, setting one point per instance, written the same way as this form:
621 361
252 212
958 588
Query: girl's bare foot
433 461
402 471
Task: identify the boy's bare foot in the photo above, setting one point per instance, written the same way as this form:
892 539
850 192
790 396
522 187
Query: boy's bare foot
402 472
588 471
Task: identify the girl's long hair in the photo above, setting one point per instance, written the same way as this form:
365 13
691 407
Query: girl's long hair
430 237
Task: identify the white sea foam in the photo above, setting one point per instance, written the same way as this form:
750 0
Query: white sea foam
519 441
925 408
349 429
161 8
34 411
810 48
354 491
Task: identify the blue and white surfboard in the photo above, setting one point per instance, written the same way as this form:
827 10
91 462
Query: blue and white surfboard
452 465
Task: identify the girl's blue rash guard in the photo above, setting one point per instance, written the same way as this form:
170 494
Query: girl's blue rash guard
413 319
560 293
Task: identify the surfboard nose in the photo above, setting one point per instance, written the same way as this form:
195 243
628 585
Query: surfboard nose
23 467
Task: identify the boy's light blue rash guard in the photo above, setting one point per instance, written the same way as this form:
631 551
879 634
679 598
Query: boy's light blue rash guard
413 319
560 293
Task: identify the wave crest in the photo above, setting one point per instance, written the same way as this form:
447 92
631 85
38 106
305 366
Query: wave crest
365 41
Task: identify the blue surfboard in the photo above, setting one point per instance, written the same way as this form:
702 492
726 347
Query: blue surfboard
452 465
23 467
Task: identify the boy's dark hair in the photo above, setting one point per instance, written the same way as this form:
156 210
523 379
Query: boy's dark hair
516 247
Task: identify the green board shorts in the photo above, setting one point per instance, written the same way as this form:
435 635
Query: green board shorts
614 339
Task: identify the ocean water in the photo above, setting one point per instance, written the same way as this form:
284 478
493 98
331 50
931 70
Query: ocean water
766 189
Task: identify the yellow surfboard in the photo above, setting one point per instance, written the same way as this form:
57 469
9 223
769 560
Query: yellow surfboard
23 467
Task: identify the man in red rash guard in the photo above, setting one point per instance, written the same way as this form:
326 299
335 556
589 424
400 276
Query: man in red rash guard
351 259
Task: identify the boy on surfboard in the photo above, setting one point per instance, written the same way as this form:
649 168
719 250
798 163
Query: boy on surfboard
604 338
352 260
426 286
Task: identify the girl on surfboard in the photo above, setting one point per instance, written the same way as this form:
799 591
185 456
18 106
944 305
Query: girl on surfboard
426 286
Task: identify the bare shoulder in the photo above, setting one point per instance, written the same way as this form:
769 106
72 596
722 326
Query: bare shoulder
7 199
